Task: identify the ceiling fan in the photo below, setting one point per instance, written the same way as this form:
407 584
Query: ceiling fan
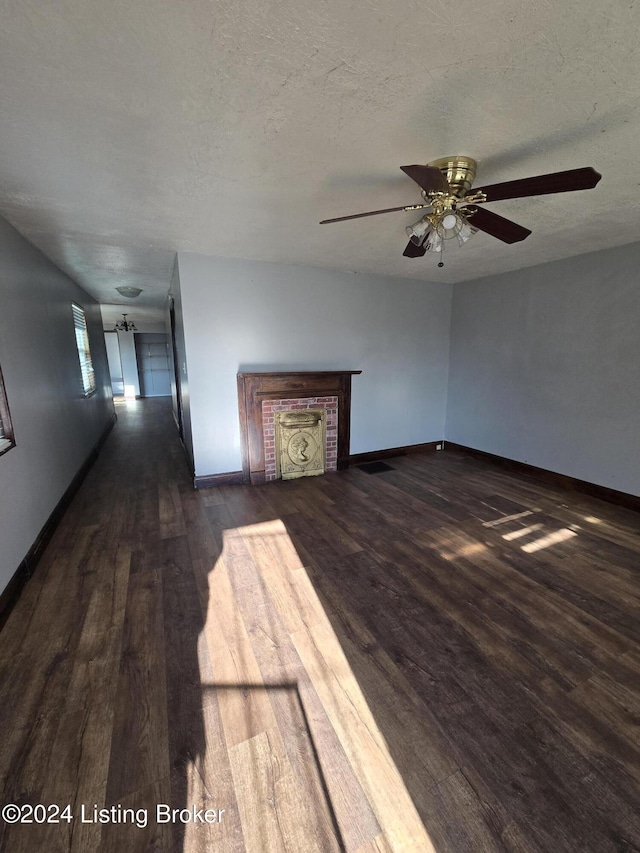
454 213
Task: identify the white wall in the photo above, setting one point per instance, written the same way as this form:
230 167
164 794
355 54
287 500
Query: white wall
253 316
545 367
129 362
115 365
144 318
55 426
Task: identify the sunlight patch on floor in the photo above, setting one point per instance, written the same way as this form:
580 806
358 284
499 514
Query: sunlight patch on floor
265 630
550 539
506 518
522 531
465 551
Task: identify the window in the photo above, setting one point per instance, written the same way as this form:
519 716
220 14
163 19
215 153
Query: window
82 342
6 431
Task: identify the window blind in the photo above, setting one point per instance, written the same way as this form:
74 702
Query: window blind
6 432
82 342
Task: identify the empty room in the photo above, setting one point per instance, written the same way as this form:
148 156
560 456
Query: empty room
319 427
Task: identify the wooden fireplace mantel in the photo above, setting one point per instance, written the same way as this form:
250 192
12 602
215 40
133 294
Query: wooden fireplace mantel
253 388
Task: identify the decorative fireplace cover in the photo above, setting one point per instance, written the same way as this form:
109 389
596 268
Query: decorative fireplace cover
300 443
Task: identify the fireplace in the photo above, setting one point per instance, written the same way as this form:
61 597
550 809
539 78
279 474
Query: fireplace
263 397
300 446
281 419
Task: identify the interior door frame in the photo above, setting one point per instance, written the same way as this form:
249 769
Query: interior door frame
176 368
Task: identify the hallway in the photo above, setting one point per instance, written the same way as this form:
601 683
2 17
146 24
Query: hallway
441 657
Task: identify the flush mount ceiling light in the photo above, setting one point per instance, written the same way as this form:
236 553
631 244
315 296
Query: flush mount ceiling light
129 292
453 206
124 325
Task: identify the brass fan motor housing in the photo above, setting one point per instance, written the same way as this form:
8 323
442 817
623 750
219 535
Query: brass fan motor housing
459 171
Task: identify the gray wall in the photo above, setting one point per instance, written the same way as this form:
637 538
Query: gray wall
55 426
252 316
545 367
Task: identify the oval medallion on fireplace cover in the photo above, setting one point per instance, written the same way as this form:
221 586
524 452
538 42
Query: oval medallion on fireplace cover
300 443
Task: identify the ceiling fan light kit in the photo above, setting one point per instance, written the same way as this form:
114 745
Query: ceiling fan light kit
446 186
459 172
418 231
450 222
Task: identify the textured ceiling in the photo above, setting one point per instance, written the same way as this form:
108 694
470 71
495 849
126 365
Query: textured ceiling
133 130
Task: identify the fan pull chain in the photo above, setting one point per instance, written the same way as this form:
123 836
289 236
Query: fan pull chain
441 262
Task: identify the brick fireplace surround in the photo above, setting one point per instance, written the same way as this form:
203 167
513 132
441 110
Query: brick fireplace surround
327 389
270 407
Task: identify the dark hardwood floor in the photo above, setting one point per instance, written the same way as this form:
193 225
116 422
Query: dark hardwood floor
443 656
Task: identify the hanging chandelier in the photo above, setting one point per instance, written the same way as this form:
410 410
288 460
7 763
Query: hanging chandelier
125 326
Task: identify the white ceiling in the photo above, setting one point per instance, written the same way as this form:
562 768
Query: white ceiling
135 128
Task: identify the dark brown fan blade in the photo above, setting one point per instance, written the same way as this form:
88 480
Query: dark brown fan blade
413 251
556 182
429 178
489 222
372 213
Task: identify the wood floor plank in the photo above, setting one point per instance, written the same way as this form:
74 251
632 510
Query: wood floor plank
140 831
275 813
279 661
140 724
245 712
459 821
364 745
378 845
394 699
493 707
543 606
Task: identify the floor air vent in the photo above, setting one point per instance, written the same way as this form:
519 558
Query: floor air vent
375 467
